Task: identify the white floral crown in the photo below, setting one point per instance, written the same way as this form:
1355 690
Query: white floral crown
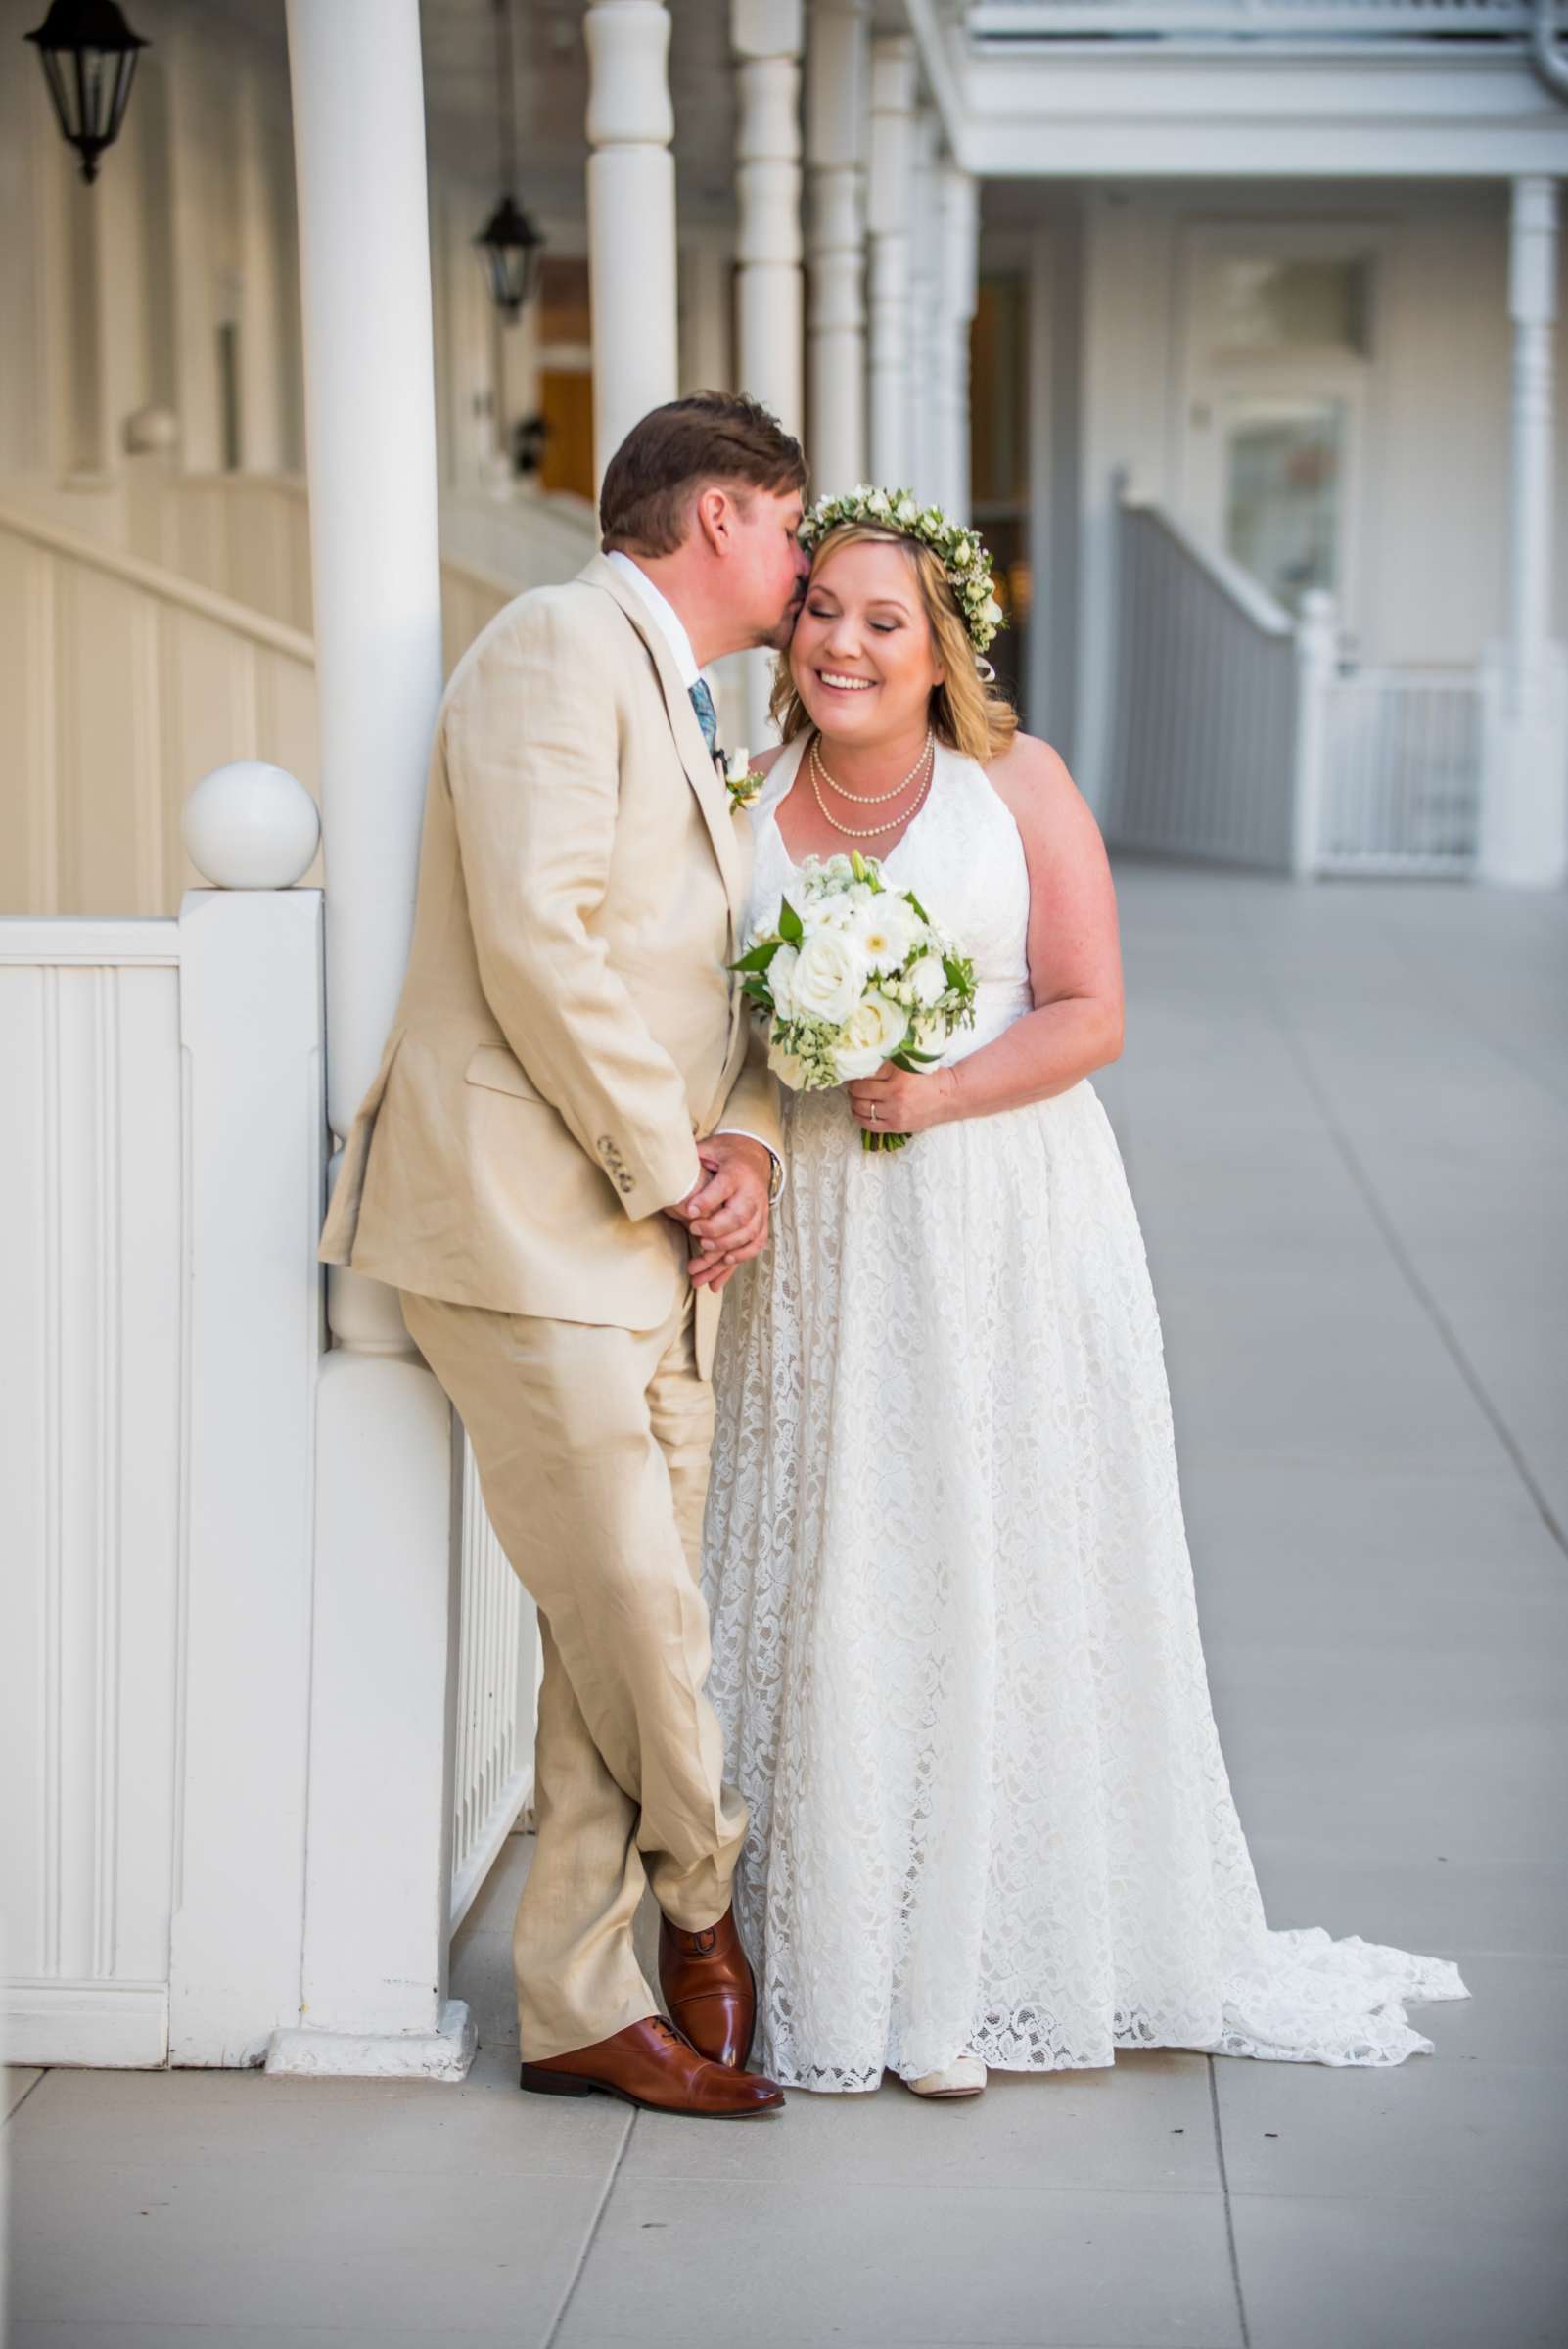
965 561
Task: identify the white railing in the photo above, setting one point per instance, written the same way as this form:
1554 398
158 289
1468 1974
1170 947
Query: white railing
1240 739
1401 772
160 1353
160 1319
126 671
493 1772
1206 712
1005 23
119 682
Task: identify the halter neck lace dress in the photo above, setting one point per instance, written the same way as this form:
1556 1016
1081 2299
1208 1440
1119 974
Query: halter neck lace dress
955 1647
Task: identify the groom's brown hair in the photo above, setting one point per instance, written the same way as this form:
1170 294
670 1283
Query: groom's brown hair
664 459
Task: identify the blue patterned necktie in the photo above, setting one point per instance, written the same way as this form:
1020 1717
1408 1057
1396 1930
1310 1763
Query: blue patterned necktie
702 701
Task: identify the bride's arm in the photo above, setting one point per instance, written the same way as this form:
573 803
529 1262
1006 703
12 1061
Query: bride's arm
1074 965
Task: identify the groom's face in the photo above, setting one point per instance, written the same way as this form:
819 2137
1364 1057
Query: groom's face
771 565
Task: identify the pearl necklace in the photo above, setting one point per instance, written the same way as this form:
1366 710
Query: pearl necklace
875 831
869 798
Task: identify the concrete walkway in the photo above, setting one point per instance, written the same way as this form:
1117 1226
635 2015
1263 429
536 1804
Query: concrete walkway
1345 1113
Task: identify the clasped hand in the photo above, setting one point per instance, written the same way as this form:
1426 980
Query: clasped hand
726 1212
903 1100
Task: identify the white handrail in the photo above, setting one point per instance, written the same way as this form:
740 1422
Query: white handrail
168 585
1244 591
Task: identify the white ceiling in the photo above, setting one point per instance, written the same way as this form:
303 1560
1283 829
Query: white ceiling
458 38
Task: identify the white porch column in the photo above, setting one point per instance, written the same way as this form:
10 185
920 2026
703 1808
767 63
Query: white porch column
632 218
838 71
766 36
888 219
374 1958
1524 816
959 224
921 444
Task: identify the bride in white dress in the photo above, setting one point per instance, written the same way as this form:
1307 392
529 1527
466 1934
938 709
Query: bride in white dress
955 1648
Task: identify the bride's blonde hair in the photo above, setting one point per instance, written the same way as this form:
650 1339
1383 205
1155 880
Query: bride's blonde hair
967 713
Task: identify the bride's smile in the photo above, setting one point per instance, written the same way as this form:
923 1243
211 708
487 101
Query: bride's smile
862 658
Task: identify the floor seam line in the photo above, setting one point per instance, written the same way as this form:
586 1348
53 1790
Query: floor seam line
31 2089
1224 2191
592 2237
1419 1288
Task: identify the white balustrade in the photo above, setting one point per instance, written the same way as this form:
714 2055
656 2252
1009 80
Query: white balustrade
119 682
1205 693
160 1333
1401 773
498 1653
1000 23
1239 738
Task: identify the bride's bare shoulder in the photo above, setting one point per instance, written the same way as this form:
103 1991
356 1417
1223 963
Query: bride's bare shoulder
764 761
1032 780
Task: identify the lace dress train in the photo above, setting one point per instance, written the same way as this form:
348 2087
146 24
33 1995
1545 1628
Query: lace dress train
955 1648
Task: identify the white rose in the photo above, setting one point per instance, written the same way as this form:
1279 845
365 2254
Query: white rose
927 981
963 552
828 977
992 613
930 1033
877 503
908 511
885 930
873 1030
778 974
739 766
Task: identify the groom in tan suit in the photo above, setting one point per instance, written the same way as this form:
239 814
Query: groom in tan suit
569 1144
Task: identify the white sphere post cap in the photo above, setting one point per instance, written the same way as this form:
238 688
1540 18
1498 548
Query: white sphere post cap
250 826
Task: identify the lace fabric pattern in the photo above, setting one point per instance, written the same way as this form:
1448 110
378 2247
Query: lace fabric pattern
955 1645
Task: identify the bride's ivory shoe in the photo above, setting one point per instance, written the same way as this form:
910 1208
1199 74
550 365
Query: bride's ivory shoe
965 2078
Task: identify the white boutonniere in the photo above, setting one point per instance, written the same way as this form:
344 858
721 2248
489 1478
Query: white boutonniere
742 780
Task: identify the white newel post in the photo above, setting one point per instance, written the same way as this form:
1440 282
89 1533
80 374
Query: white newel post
374 1961
632 218
766 36
838 71
250 1025
1316 660
1524 809
959 226
888 219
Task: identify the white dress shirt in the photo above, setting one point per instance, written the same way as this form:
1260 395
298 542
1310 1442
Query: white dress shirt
672 628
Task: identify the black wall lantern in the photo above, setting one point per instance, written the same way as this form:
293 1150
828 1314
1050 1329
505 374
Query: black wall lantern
88 53
509 241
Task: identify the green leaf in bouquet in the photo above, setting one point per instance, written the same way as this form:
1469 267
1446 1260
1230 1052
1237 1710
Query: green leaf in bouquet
919 909
790 929
910 1057
760 956
757 988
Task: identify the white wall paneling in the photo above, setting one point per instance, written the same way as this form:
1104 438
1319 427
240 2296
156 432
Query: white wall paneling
91 1383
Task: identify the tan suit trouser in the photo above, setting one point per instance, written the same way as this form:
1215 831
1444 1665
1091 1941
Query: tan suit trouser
592 1447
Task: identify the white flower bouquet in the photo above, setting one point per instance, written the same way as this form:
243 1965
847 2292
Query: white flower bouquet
850 973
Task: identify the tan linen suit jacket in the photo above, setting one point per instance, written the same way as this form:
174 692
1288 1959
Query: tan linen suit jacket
568 1022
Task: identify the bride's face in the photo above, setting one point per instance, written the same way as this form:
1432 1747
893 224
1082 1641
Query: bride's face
862 657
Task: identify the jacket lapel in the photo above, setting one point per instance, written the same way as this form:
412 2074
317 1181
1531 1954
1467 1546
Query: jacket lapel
718 812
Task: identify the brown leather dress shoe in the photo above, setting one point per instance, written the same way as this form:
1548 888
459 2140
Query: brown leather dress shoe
651 2066
710 1989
